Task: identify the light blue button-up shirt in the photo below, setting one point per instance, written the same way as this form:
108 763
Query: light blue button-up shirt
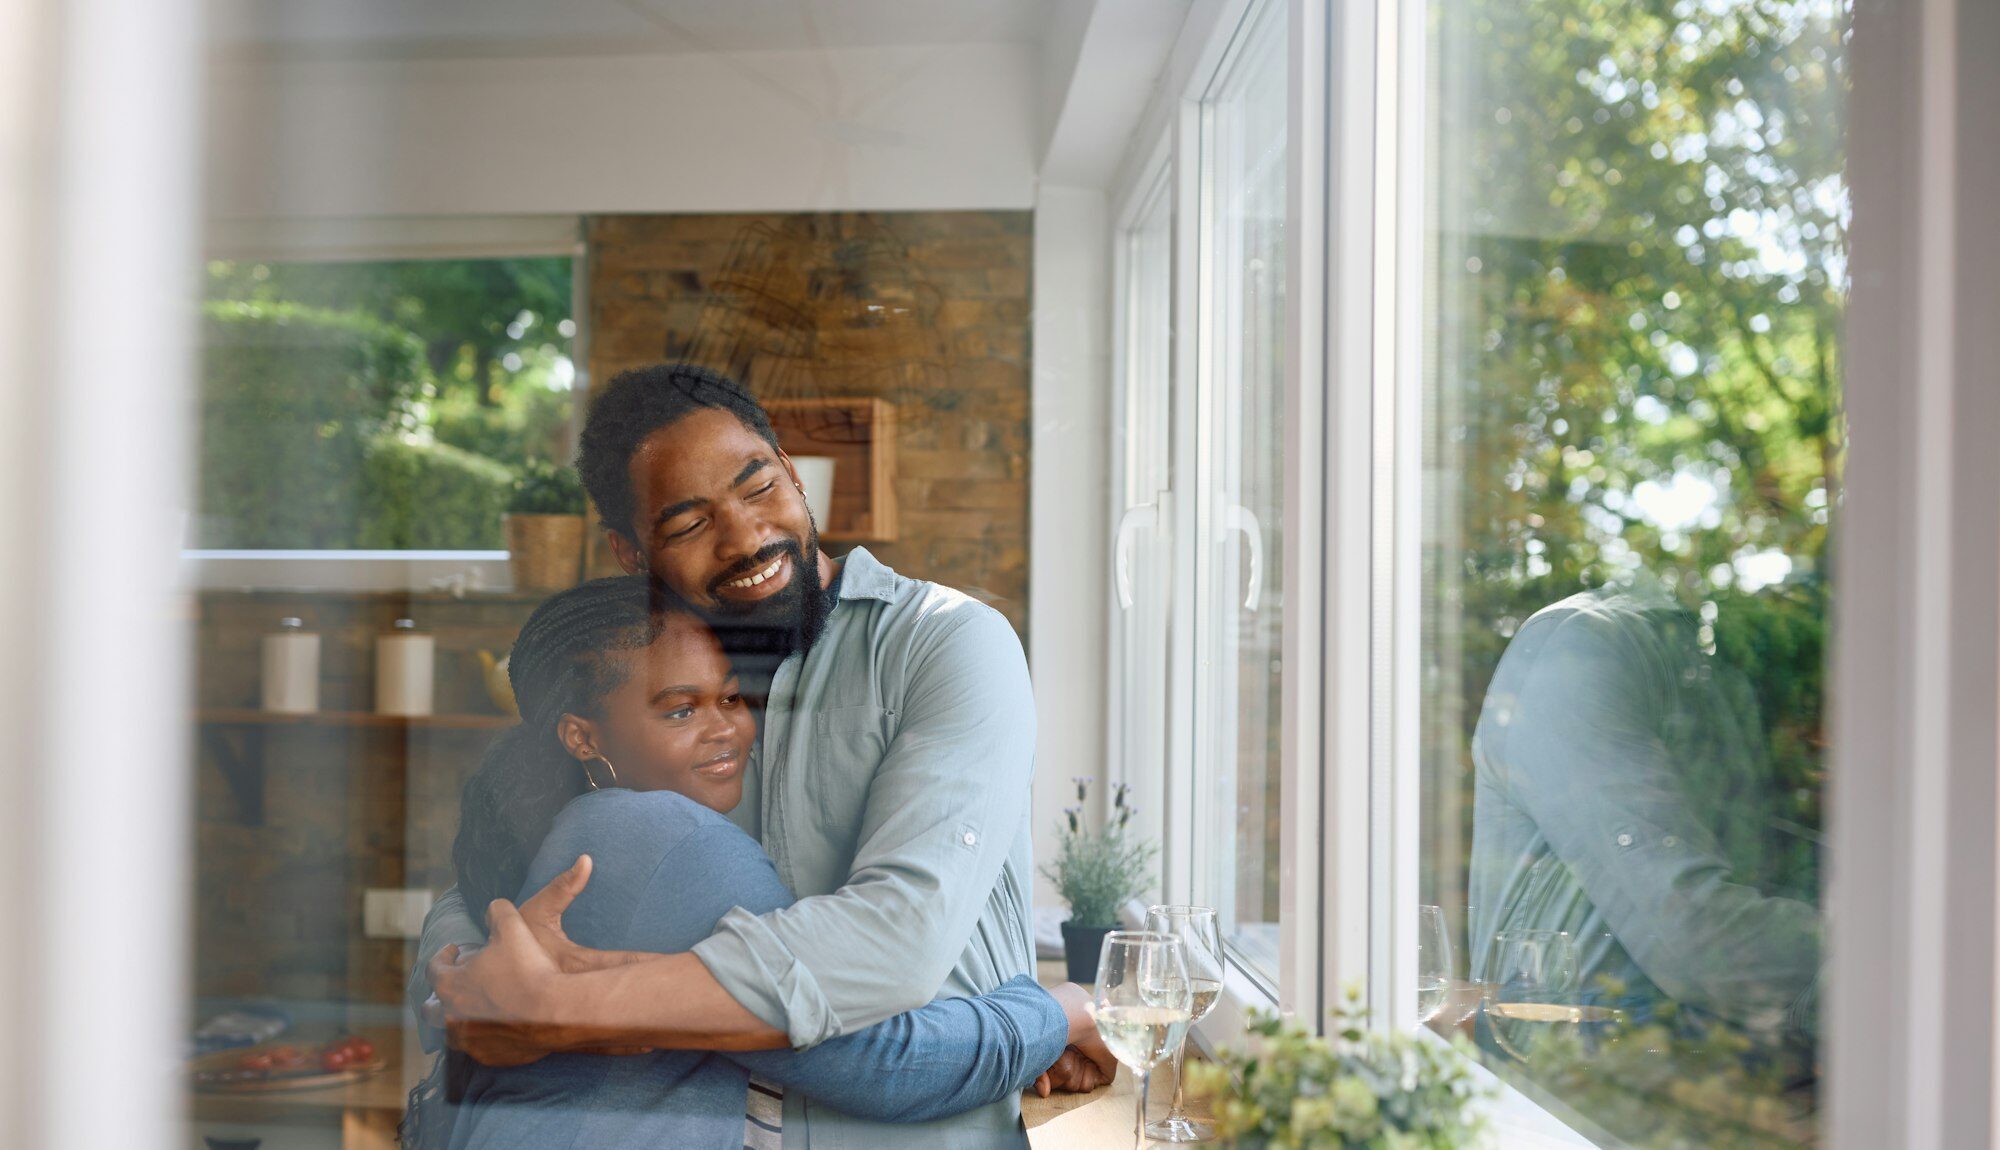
892 792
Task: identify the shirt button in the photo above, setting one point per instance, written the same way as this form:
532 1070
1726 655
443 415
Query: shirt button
1670 841
970 838
1624 840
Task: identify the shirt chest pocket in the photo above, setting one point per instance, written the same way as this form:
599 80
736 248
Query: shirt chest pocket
848 744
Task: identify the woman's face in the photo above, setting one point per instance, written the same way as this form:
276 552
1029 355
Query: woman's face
676 723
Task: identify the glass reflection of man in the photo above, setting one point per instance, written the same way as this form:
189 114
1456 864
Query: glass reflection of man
1624 795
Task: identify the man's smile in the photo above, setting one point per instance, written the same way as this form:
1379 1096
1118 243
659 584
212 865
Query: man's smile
759 584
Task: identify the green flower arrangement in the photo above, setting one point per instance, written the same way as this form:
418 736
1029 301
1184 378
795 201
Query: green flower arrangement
1098 871
1358 1090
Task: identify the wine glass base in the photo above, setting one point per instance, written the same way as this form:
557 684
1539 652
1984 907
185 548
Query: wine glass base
1179 1130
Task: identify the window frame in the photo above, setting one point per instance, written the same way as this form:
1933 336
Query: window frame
391 238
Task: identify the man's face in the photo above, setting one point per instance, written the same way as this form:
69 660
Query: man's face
718 517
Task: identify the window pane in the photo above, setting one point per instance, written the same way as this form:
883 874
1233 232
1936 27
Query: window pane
1143 543
379 406
1244 154
1636 272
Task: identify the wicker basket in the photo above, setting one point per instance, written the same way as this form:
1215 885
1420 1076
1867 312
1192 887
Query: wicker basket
544 551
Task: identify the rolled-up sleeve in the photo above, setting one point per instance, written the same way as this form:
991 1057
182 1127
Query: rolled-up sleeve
942 812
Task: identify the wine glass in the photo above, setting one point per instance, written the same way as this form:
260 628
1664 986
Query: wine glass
1142 1005
1531 987
1433 962
1201 936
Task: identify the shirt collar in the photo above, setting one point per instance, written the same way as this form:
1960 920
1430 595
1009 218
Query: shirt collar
862 576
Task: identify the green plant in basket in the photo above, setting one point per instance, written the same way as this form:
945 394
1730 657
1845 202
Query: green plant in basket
1099 871
542 488
1358 1089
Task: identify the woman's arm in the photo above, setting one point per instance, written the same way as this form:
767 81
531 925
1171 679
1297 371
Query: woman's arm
946 1058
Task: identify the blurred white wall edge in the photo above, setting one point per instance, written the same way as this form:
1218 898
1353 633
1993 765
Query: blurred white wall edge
98 106
1914 783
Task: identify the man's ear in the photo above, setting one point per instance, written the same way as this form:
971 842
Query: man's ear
578 736
785 461
625 551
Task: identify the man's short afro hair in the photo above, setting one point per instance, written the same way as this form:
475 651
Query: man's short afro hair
633 406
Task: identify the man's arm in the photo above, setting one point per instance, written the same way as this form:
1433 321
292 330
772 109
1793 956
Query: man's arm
943 811
1583 756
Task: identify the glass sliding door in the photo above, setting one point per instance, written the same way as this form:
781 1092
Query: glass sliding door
1143 551
1239 604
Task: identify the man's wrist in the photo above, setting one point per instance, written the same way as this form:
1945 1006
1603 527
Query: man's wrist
1075 1001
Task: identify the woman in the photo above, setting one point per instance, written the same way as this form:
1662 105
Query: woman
632 746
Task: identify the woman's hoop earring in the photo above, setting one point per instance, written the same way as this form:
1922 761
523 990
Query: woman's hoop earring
592 779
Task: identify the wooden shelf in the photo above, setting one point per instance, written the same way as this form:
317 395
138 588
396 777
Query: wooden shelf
859 434
252 716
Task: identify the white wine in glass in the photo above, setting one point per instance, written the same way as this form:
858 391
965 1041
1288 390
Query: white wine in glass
1142 1005
1201 935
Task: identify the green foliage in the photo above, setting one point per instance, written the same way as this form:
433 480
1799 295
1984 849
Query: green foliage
1361 1089
419 496
544 488
1098 871
1676 1081
291 395
332 388
1639 284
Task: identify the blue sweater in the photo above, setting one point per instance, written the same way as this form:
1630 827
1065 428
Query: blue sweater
665 869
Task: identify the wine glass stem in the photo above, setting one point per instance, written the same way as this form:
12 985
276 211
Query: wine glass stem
1139 1129
1180 1089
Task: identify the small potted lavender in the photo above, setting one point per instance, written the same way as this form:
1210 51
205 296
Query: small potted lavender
1097 872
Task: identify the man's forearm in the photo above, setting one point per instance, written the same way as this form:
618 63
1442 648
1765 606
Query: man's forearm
665 1001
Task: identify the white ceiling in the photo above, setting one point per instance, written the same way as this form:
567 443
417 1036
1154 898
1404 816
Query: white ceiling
560 27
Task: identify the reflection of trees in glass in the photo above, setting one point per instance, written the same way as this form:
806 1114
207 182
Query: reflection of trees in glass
1639 243
378 404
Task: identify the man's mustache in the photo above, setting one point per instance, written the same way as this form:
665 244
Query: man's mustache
758 562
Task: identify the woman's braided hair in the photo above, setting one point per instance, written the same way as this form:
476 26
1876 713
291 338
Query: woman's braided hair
565 662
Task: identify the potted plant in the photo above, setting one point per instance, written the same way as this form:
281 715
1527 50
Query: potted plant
545 527
1096 872
1357 1089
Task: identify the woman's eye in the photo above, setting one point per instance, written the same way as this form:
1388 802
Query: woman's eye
731 700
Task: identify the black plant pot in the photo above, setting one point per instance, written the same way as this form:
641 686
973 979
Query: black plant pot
1081 945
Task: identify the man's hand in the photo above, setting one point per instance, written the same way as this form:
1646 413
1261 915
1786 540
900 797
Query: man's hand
1074 1073
1086 1063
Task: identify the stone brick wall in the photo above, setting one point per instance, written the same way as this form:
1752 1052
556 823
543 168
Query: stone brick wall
926 309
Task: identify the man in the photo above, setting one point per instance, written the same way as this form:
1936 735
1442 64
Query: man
1624 796
891 790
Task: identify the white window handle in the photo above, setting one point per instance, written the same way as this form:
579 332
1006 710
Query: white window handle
1145 515
1241 518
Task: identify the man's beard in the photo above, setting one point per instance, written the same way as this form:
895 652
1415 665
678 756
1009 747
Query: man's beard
759 636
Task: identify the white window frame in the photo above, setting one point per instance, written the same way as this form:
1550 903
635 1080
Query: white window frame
390 238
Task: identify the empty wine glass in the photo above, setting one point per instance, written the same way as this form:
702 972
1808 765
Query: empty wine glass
1142 1005
1433 962
1201 935
1531 987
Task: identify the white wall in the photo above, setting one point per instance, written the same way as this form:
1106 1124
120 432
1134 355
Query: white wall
1068 500
900 128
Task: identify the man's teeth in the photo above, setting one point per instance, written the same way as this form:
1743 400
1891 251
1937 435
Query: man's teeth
759 577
